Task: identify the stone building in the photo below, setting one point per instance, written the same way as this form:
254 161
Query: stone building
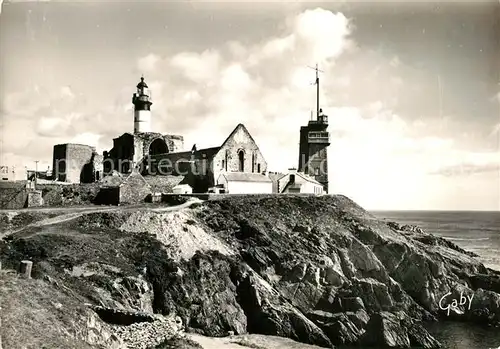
203 168
76 163
313 155
314 141
131 189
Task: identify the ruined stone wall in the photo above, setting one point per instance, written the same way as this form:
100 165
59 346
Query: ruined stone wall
121 155
143 141
139 149
98 167
59 162
77 155
175 143
128 149
70 160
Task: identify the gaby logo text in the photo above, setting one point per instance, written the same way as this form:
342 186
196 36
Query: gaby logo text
445 304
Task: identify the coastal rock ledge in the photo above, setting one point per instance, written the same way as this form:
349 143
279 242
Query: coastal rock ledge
318 270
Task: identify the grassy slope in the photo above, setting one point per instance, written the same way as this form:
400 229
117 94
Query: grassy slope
37 315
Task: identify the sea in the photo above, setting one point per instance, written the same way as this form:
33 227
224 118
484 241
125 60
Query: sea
476 231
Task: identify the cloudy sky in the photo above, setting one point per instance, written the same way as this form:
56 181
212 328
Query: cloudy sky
412 90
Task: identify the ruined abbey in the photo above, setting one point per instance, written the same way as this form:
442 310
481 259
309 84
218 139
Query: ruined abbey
235 166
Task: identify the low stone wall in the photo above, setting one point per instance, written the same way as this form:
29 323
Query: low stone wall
211 196
66 195
13 197
122 317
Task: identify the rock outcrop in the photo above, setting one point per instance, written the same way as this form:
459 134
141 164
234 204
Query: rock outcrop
319 270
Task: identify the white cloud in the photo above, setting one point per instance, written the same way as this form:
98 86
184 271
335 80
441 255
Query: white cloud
50 126
326 31
236 78
148 63
396 80
200 68
278 46
395 62
66 92
88 138
469 163
495 130
236 50
497 97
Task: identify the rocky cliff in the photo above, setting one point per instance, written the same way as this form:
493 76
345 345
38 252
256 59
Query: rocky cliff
318 270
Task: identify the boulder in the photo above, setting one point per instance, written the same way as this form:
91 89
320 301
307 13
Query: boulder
385 329
396 330
374 294
341 328
268 314
204 296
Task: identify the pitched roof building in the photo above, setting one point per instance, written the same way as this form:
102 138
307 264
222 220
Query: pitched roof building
299 182
238 155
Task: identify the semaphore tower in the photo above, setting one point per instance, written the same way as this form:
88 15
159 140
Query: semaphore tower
314 141
142 108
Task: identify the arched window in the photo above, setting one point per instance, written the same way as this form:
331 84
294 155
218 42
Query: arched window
241 160
253 162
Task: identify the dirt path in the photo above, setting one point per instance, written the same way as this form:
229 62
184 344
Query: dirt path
248 341
56 209
178 207
87 210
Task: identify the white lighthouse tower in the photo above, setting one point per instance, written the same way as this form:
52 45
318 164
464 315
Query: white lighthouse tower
142 108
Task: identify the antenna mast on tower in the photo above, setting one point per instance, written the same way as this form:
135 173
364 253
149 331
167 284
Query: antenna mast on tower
317 88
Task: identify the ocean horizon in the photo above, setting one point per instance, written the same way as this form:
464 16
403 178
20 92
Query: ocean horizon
475 231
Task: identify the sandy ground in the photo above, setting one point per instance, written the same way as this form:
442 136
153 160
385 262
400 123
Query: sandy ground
255 341
178 229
